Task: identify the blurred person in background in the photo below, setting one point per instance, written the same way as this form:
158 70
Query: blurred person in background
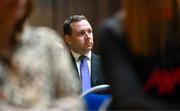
141 54
78 35
35 67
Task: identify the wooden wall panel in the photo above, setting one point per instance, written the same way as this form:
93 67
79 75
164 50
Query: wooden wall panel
52 13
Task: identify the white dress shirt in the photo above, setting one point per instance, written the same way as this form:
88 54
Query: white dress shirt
76 57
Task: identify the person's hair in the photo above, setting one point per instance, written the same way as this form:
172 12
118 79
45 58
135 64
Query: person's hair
67 23
21 22
150 24
18 29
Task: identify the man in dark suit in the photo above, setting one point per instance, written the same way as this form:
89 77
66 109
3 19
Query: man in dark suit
79 37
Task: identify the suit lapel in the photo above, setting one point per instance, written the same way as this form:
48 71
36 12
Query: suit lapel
94 68
74 65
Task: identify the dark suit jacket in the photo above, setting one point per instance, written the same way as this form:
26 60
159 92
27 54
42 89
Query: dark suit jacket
97 76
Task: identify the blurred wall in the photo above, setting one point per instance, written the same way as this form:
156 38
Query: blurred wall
52 13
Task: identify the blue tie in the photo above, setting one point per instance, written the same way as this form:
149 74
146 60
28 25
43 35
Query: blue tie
85 75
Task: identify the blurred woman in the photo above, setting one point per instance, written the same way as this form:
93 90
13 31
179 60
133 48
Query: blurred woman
141 55
34 65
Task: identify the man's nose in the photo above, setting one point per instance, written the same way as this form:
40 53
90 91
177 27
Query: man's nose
88 35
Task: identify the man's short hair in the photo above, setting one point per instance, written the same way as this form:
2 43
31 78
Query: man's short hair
67 23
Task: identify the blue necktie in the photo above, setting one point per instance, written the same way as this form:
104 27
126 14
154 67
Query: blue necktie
85 75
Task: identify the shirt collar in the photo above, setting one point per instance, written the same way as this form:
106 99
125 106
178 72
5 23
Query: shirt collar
76 55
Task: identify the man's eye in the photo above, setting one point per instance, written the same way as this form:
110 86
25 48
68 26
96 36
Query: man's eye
89 31
82 33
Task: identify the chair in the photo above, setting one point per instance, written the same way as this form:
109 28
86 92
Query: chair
96 99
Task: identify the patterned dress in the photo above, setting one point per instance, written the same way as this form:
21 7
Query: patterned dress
42 76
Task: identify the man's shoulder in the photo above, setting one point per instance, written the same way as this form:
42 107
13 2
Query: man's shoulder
95 57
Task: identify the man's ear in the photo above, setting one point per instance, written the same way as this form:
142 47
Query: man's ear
67 39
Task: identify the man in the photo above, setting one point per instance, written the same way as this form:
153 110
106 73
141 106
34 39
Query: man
79 37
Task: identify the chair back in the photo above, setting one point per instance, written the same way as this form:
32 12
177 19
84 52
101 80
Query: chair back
96 99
